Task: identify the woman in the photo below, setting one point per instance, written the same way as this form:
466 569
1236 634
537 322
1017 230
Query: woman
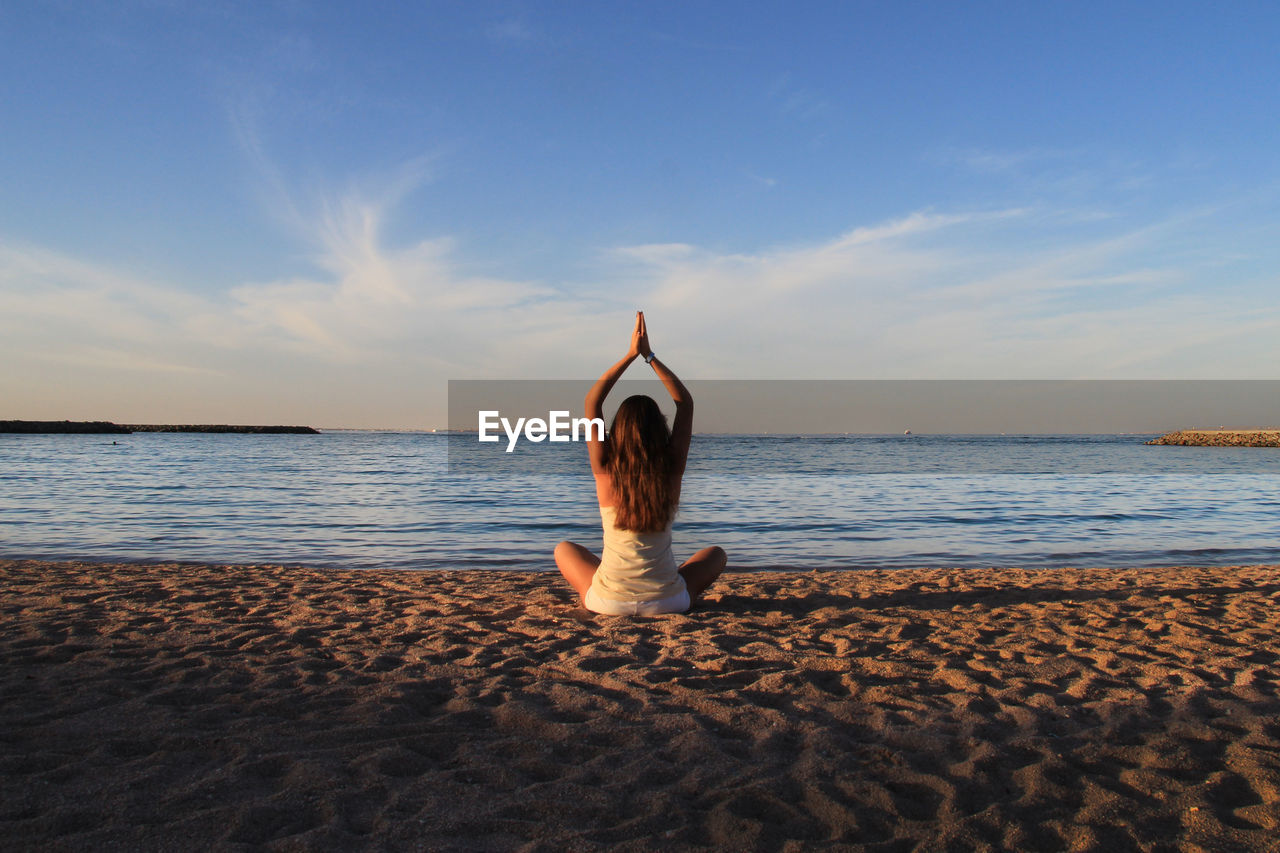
638 469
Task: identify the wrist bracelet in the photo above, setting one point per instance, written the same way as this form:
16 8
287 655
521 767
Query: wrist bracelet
648 359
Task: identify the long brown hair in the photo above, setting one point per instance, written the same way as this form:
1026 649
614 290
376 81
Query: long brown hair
640 466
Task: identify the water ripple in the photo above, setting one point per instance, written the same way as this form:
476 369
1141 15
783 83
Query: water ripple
394 500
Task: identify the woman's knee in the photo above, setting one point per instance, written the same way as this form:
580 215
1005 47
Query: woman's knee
572 558
709 562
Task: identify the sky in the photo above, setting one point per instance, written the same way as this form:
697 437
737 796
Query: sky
319 213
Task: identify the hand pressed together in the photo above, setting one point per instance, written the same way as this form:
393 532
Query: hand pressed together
640 338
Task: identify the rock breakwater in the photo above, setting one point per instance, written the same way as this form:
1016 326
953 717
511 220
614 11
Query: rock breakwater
1221 438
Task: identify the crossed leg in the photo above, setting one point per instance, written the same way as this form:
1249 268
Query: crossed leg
702 569
578 565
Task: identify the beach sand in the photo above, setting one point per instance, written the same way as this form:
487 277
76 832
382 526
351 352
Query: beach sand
180 707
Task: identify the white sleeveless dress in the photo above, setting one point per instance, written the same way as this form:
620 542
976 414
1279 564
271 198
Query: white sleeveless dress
637 574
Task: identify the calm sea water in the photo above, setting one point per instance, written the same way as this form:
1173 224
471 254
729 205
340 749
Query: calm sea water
402 500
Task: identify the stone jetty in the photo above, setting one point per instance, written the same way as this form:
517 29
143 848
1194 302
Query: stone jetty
1221 438
118 429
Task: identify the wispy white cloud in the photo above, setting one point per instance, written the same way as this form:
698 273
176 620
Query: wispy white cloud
377 300
52 306
115 361
512 29
379 327
1060 173
957 296
682 41
367 301
988 160
762 180
797 100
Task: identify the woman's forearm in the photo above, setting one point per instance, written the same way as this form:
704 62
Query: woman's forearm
593 405
674 386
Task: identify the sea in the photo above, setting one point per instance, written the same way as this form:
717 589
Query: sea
432 501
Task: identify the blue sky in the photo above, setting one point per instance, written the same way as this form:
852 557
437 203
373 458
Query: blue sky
320 212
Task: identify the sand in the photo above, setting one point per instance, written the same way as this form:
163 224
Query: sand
175 707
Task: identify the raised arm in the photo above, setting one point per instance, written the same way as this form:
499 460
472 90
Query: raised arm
682 428
593 405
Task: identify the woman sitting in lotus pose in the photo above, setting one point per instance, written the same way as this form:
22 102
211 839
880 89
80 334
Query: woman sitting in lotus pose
638 469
